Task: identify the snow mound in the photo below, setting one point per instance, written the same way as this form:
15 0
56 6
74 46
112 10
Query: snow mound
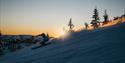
105 45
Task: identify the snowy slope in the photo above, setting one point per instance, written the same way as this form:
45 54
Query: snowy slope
106 45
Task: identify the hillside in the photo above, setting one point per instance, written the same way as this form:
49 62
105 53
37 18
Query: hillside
104 45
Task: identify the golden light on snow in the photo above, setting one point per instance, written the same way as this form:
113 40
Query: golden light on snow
110 23
62 33
90 27
113 22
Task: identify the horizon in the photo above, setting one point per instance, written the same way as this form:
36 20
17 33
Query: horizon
32 17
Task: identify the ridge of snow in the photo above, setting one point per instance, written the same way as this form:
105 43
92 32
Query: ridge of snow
105 45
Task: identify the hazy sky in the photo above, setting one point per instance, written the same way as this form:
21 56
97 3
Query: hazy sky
37 16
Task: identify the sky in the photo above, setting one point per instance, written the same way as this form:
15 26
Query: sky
52 16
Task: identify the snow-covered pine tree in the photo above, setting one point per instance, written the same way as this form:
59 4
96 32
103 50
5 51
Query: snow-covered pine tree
96 19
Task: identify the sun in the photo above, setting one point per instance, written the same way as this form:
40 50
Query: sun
62 33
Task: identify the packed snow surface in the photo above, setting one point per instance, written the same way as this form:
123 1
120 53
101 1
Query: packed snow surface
104 45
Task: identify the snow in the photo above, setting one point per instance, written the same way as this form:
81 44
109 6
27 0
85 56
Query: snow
38 39
104 45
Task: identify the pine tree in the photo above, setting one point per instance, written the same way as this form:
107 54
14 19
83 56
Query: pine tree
71 26
86 25
124 13
106 19
96 19
96 15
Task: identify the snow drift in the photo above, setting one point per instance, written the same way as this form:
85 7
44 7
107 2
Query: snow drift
104 45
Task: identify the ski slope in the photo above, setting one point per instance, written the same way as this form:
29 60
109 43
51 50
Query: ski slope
104 45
